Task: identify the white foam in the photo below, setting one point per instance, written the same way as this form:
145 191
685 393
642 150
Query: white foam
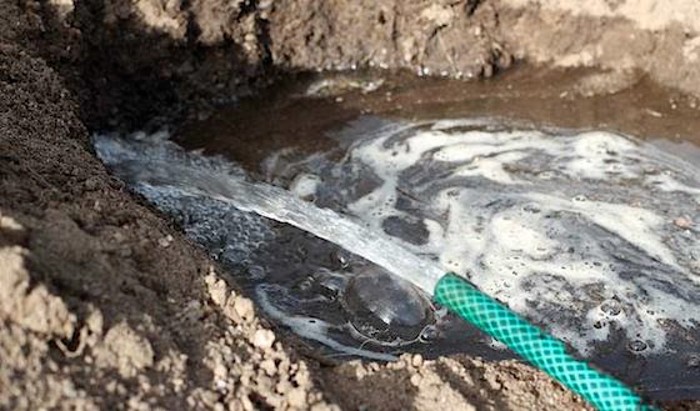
546 223
305 185
636 225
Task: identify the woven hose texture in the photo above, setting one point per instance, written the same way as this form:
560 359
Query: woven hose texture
541 350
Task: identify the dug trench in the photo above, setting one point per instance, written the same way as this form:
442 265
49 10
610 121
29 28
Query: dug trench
105 304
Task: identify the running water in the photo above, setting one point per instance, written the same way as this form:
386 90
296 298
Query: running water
271 202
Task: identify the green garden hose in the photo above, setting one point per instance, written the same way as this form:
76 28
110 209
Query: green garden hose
541 350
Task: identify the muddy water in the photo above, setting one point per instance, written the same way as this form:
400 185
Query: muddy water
574 230
250 131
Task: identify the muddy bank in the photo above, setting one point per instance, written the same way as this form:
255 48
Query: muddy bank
131 63
104 304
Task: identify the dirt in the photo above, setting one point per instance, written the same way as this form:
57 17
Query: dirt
103 303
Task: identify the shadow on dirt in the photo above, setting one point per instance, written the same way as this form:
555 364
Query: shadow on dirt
132 62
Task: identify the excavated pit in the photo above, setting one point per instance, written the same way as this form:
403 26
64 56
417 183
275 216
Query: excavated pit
105 303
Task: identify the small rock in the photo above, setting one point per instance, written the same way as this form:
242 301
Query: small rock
218 292
269 367
653 113
192 311
439 15
263 339
220 371
244 308
11 231
493 382
398 365
283 386
124 349
415 380
417 360
165 241
297 398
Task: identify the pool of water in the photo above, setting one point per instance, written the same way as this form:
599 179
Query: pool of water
547 202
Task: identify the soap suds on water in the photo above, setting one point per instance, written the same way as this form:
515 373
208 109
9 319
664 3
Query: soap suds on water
573 230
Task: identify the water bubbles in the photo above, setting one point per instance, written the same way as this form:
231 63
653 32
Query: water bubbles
305 186
531 208
384 307
637 346
429 334
340 258
306 284
611 307
546 175
256 272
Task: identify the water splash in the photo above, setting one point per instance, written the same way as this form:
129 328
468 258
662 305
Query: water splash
149 164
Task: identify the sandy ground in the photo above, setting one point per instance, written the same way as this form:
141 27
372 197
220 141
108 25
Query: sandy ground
103 303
